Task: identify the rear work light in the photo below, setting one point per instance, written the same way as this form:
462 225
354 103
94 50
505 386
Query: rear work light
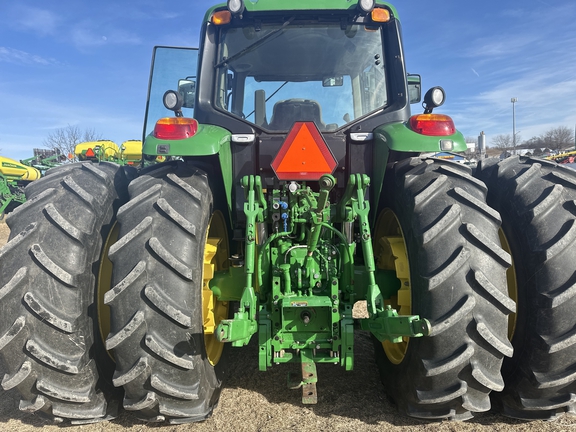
236 6
175 128
366 6
432 124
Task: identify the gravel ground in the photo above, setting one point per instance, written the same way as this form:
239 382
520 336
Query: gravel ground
260 401
4 232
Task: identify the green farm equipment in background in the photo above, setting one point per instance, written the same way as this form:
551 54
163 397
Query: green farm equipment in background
44 159
129 152
14 177
294 212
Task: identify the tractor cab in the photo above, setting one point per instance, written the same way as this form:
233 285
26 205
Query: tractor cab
273 74
263 70
268 67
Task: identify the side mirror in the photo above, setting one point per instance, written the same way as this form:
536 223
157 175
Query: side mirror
414 88
187 89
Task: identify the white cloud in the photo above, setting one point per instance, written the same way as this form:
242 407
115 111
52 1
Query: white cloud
530 57
49 115
88 35
513 13
545 100
36 20
11 55
487 49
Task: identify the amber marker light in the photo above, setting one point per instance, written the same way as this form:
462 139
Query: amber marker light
175 128
380 15
221 17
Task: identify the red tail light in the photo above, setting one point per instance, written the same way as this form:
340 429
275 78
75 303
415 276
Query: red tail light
174 128
432 124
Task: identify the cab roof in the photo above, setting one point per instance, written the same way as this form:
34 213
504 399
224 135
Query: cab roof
300 5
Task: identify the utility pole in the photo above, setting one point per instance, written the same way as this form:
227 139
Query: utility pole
514 100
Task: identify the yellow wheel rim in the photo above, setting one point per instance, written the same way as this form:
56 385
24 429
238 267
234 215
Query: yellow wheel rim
391 254
215 259
512 284
105 284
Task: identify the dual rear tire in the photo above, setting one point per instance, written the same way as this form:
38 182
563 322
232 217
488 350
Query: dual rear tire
457 280
537 201
165 238
163 314
49 341
503 330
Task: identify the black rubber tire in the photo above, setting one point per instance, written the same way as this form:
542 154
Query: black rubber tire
47 291
458 283
156 300
537 201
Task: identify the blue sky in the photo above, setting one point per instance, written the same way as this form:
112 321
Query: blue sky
86 64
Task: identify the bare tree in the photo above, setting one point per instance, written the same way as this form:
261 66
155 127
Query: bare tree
558 138
64 140
502 141
535 142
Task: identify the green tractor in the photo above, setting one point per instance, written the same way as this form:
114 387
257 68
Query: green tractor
293 211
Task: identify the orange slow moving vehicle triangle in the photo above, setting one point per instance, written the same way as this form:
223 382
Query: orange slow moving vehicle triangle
304 154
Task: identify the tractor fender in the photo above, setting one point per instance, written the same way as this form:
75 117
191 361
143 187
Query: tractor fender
398 137
209 140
